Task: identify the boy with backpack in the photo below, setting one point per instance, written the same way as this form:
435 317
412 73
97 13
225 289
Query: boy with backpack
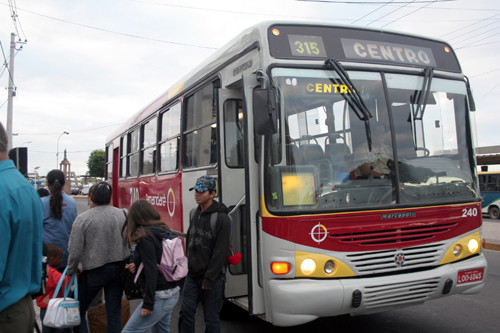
207 252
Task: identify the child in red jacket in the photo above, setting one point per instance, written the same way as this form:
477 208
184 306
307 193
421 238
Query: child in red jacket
54 257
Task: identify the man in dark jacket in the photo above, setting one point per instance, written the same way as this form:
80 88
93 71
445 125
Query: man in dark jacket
207 251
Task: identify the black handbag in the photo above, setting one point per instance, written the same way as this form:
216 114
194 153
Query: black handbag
132 290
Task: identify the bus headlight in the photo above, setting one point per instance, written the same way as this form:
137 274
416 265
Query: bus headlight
464 247
329 267
473 245
308 266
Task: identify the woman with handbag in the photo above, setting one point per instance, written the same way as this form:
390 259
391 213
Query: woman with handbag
97 244
145 229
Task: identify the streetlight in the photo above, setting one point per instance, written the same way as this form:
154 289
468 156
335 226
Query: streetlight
57 154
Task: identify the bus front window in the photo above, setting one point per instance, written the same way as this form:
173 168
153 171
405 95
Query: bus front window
327 156
432 146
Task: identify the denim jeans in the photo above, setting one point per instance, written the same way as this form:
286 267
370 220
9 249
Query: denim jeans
109 277
210 300
158 321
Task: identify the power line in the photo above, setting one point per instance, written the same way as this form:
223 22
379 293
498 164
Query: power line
476 45
6 66
15 19
489 72
75 131
371 2
416 10
395 10
116 32
478 34
468 26
373 11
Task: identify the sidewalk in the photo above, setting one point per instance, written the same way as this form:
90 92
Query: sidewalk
491 234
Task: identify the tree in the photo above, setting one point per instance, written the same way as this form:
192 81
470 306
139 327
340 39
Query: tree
96 163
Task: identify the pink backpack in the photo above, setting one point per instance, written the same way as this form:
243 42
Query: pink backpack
173 264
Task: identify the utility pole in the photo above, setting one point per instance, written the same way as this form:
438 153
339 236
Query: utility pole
11 90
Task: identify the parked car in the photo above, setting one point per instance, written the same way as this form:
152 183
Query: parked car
75 190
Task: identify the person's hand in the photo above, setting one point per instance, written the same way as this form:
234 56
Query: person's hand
145 312
131 267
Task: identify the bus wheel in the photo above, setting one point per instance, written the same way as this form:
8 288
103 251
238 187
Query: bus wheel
494 212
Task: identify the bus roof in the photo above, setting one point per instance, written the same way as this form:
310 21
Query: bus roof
255 37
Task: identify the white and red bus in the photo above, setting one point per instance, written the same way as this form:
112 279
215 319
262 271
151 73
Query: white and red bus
345 155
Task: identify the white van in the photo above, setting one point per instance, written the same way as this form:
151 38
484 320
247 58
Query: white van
86 188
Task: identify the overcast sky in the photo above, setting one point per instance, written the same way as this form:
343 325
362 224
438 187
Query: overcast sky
89 65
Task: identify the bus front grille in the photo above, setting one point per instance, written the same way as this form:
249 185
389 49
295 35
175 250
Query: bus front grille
393 294
387 261
403 236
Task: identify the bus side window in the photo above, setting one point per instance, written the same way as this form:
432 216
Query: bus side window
148 156
233 132
200 128
169 140
123 156
133 153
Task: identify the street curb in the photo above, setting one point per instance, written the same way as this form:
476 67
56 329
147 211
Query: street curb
492 246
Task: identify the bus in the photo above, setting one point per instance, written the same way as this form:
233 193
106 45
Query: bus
344 154
489 185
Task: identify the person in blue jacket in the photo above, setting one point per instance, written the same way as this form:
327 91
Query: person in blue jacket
59 213
20 245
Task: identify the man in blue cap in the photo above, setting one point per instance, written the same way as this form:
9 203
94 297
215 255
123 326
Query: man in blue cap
207 251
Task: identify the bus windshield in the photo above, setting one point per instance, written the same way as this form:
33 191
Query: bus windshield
328 154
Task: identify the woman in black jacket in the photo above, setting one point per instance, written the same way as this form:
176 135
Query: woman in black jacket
145 229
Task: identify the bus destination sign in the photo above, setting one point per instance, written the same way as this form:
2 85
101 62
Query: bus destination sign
359 45
390 52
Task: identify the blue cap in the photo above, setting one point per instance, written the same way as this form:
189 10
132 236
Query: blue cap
204 183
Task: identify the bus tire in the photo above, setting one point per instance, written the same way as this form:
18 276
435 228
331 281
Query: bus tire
494 212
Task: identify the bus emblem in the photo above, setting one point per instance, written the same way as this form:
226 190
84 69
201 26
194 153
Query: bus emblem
171 202
318 233
399 258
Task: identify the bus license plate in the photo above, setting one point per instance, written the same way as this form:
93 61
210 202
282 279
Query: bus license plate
471 275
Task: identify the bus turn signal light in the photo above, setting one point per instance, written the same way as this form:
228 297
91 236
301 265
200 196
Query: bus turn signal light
280 268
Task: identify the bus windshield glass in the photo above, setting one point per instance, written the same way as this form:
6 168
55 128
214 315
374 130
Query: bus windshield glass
329 155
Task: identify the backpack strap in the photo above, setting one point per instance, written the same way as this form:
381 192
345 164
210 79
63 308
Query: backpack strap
213 221
191 215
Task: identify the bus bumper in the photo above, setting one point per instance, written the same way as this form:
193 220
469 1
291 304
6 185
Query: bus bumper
298 301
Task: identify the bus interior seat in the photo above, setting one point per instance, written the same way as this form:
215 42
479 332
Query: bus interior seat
293 154
338 154
313 154
403 132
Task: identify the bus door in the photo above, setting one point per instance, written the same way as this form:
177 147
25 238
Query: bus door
232 184
254 267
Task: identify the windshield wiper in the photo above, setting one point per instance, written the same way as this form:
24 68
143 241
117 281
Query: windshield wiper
353 98
420 100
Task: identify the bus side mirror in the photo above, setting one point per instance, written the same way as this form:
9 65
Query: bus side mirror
265 112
